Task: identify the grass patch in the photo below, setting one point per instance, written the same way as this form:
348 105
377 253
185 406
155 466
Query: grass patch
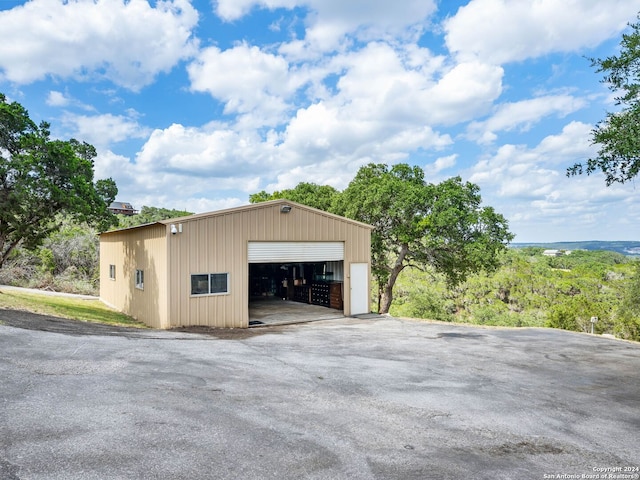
66 307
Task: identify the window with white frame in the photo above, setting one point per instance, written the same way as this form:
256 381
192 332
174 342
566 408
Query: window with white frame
140 279
112 272
209 283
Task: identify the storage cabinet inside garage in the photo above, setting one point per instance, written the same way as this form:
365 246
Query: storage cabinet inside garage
315 283
327 294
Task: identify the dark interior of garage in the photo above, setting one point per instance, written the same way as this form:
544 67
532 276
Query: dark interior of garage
316 283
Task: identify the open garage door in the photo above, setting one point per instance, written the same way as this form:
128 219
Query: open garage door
294 279
291 252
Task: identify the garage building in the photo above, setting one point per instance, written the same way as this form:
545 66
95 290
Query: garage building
205 269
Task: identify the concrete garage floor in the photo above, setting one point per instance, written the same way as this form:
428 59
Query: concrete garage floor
276 311
337 399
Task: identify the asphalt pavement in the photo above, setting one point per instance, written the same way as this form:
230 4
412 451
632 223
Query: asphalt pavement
377 398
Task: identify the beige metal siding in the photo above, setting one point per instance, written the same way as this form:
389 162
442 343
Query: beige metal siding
206 245
129 250
218 243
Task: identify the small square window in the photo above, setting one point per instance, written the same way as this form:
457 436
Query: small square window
199 284
112 272
218 282
140 279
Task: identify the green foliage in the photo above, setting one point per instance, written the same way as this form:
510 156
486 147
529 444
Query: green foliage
618 136
627 323
85 310
417 224
41 178
310 194
528 290
417 297
47 264
67 261
149 215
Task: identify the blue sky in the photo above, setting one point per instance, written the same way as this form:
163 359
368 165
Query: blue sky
196 105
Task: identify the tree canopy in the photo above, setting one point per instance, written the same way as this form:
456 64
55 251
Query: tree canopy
618 135
40 178
418 224
310 194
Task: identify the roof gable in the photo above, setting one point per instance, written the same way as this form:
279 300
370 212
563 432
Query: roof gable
244 208
262 205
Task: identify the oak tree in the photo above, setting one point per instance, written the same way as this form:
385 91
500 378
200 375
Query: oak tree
422 225
618 135
310 194
42 177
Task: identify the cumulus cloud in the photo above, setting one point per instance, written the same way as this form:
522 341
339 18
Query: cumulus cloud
127 42
535 194
267 81
219 153
519 172
103 130
440 164
328 21
57 99
469 89
522 115
501 31
157 182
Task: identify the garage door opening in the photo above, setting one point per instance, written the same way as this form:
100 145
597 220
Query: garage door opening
294 292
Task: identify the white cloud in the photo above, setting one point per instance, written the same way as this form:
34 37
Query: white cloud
103 130
325 131
522 115
500 31
141 186
157 178
530 187
328 21
572 144
520 172
381 108
57 99
201 157
267 82
409 86
111 165
440 164
128 42
469 89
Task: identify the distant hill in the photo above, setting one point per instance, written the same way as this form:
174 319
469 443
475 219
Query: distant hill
624 247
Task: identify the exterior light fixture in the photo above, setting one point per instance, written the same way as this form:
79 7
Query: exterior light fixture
285 208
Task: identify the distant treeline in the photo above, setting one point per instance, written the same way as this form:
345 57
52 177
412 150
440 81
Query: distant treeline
624 247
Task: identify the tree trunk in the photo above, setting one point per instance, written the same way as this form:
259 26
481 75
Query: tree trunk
5 250
387 293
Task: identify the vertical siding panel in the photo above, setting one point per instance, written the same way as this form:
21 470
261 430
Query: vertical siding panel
144 249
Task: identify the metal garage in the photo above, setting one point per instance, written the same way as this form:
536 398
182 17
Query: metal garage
204 269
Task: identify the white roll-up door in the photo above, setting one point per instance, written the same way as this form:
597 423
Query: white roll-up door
285 252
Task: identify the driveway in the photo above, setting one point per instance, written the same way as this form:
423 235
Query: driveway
377 398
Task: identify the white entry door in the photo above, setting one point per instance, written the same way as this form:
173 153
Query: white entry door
359 288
